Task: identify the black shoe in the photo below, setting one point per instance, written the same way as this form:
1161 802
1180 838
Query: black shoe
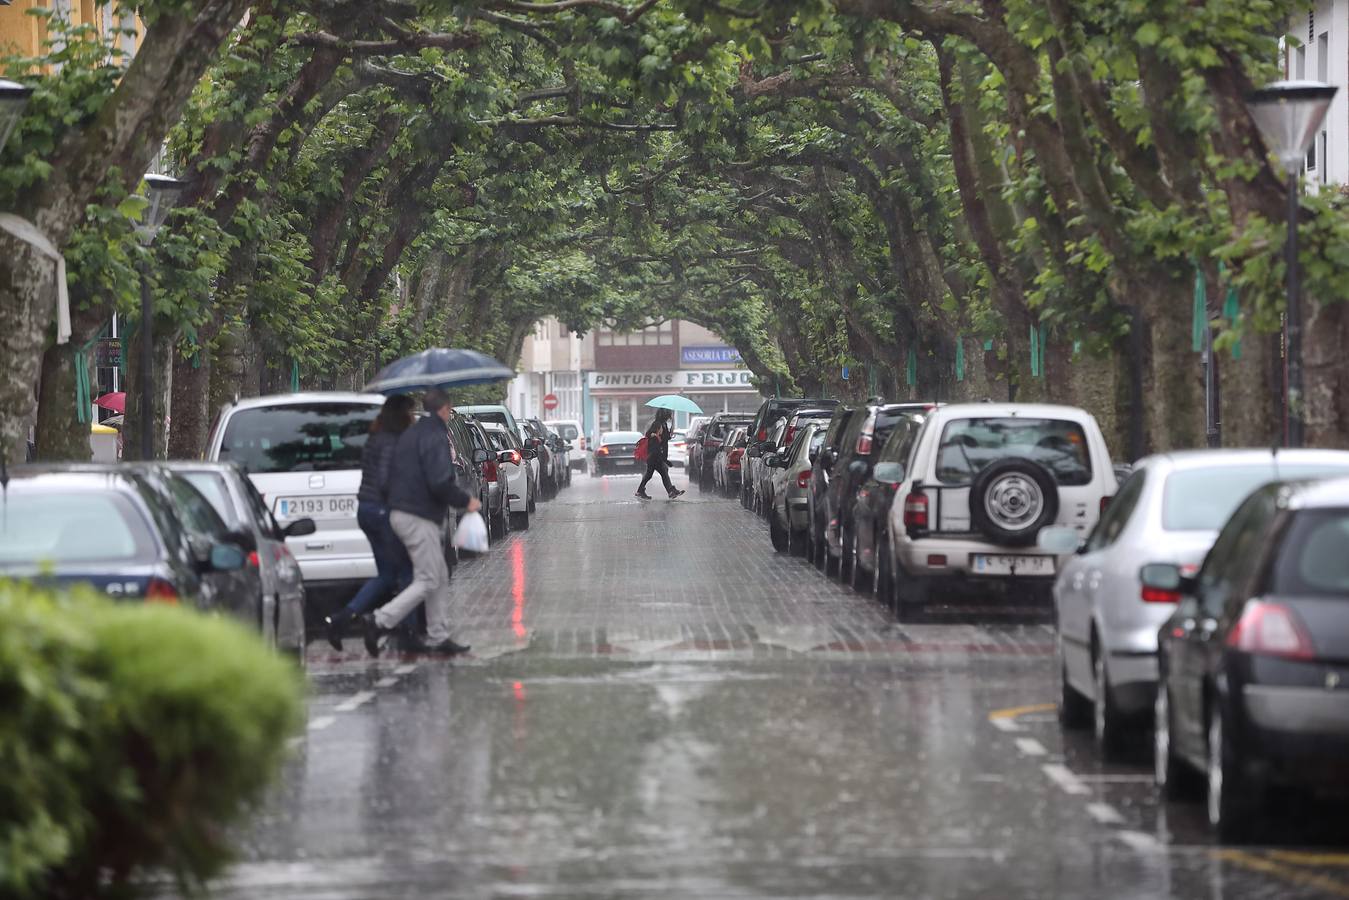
372 634
643 495
676 493
446 647
337 623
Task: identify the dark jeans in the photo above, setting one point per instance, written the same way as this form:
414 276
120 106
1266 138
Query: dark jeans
392 566
654 465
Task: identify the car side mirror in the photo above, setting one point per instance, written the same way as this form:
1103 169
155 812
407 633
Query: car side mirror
529 453
480 456
533 443
1059 539
1166 582
226 557
299 528
813 456
244 539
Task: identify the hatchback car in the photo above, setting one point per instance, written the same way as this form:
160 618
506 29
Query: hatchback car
820 473
616 454
570 431
710 439
984 479
1168 510
759 431
875 495
136 533
281 607
780 442
1254 661
475 466
728 464
513 460
787 519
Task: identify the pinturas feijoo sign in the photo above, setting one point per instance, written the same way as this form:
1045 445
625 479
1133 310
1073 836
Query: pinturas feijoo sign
674 382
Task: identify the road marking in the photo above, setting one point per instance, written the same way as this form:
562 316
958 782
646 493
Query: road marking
320 723
1298 877
1138 840
1116 779
405 669
1013 712
386 682
1307 858
357 699
1030 747
1104 813
1007 725
1062 776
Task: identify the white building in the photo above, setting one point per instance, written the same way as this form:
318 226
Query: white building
551 364
1323 55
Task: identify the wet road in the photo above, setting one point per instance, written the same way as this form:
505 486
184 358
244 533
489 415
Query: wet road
657 705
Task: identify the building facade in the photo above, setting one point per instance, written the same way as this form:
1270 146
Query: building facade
1321 54
552 361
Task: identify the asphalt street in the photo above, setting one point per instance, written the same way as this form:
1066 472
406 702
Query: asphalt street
658 705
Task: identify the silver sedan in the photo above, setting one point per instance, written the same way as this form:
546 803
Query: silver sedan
1169 510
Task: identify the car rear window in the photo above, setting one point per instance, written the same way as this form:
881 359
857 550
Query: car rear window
1313 560
71 527
214 489
1204 499
301 437
969 445
621 437
568 432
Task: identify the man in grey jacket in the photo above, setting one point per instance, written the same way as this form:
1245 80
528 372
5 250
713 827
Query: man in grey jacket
420 488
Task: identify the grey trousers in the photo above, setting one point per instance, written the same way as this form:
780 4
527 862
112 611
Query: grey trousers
430 577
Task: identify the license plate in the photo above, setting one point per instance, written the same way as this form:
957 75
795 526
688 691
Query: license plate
625 462
342 506
989 564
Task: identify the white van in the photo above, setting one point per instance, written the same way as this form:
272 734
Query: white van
303 454
570 430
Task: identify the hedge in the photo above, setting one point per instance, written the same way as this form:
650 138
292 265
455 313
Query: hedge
132 737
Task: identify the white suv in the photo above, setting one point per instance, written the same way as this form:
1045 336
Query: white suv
981 481
303 454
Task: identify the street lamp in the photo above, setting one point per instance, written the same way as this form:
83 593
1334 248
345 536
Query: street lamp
1289 114
13 98
163 193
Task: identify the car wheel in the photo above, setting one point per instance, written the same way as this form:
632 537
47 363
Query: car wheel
818 554
885 574
1108 723
796 543
831 563
533 504
1075 711
910 598
520 521
863 582
1174 779
780 537
846 555
1232 798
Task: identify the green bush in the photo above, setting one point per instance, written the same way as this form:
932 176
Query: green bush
132 737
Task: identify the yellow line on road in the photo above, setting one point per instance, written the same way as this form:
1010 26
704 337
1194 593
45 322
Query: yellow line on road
1013 711
1288 874
1308 858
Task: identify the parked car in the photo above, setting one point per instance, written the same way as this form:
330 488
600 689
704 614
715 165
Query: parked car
820 473
1168 510
490 412
136 533
245 514
761 428
679 449
616 454
787 517
779 442
513 460
1252 662
693 431
303 454
570 431
475 462
562 451
551 470
984 479
710 440
728 465
540 464
850 464
875 496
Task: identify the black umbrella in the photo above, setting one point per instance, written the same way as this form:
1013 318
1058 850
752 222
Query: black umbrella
439 367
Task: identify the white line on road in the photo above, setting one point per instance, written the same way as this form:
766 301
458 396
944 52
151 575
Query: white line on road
321 722
405 669
388 681
1005 724
1030 747
355 700
1104 813
1137 840
1062 776
1116 779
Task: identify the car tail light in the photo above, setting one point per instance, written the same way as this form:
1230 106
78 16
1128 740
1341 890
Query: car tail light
803 480
253 559
915 511
788 435
1105 501
1270 629
763 434
1158 595
864 445
489 470
160 591
936 559
603 451
733 458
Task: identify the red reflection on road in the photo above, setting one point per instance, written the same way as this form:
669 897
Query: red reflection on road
518 589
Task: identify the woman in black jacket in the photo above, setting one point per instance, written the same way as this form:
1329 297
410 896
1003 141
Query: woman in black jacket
392 567
658 455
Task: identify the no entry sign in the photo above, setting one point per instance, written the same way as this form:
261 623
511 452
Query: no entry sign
550 402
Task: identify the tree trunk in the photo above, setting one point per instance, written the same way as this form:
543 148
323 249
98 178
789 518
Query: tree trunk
27 307
61 436
166 347
1325 375
191 407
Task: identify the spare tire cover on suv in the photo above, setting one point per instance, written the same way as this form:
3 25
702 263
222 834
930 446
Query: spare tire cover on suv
1012 499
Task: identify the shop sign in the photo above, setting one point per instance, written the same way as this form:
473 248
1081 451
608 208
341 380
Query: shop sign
709 355
108 353
693 380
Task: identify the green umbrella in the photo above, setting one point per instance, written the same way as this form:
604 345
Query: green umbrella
675 402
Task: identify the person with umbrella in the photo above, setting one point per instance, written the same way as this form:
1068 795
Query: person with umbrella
658 444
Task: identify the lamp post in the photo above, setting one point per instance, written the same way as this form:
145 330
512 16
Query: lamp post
163 194
1289 114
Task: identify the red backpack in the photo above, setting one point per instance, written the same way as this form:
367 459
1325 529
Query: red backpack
640 453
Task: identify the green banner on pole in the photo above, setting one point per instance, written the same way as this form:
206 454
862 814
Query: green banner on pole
294 376
1200 310
960 358
912 368
84 400
1035 369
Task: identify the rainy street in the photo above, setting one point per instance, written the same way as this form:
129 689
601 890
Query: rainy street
656 704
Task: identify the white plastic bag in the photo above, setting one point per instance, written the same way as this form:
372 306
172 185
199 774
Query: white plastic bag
471 535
